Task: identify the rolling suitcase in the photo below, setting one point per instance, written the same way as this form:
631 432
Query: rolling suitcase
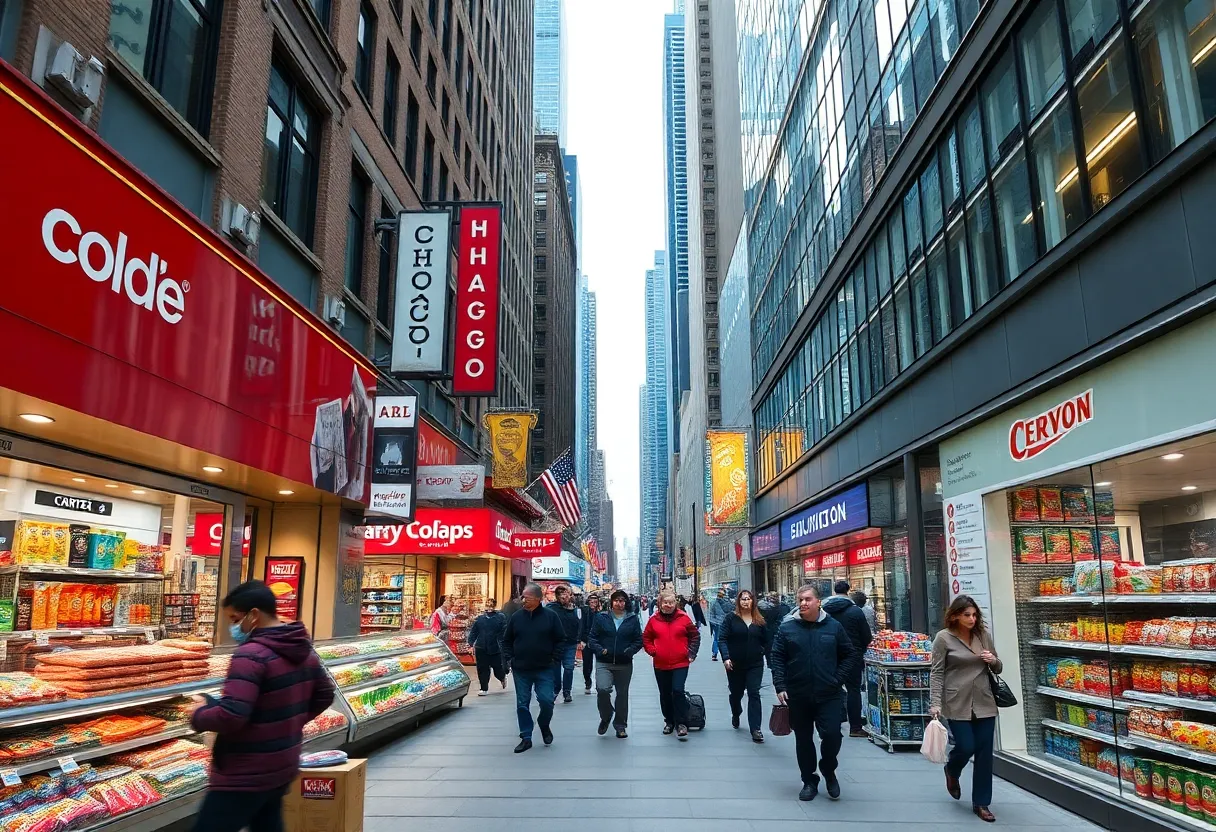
696 711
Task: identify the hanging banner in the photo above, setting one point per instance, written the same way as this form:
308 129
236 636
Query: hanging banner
726 470
509 435
476 369
285 578
420 313
393 456
536 544
451 482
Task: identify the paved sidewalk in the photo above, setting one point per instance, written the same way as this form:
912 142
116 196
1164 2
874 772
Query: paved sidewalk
458 773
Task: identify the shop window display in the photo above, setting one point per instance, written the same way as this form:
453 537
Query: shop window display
397 594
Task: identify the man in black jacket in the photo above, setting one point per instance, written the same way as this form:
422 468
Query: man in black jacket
850 616
584 638
774 612
531 646
810 659
615 637
485 637
572 625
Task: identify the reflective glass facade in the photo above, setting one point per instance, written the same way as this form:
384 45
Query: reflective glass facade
1081 100
549 69
675 169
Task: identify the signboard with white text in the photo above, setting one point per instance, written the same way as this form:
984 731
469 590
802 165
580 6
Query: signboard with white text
420 312
451 482
966 552
393 460
475 371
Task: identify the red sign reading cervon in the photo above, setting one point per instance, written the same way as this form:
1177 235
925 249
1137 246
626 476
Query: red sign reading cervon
476 370
1030 437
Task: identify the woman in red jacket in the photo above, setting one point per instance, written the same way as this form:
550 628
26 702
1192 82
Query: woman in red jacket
672 640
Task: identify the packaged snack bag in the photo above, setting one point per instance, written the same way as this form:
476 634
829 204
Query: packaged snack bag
1200 680
1171 576
1192 784
1104 507
1051 505
129 556
1184 681
1078 507
59 545
1169 681
25 607
1173 788
1144 778
52 604
1202 576
88 604
105 605
1058 544
1084 545
1029 546
1024 505
64 614
1180 632
1108 542
78 547
8 616
38 621
1207 796
76 606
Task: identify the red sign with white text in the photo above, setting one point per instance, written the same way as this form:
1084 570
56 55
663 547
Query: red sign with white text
476 369
208 537
445 531
537 544
810 565
284 577
865 553
129 309
833 560
433 447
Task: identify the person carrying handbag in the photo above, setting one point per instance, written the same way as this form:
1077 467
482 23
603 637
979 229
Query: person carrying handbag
961 691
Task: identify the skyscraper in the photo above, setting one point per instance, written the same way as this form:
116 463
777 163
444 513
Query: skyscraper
655 420
675 170
549 69
586 439
575 191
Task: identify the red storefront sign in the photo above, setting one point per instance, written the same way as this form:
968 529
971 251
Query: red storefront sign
285 577
445 531
1030 437
129 309
833 560
433 447
208 537
810 565
537 544
476 370
865 553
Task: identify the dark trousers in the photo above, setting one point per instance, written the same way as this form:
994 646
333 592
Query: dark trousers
525 681
852 703
713 648
588 667
806 718
563 671
487 662
607 677
747 679
672 699
234 811
973 739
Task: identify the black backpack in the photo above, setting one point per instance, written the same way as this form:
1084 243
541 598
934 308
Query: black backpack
696 710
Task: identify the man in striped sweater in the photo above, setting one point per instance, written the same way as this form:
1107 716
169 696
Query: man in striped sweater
275 686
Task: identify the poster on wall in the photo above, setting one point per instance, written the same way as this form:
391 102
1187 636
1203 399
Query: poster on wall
393 456
965 550
285 577
726 478
510 431
340 442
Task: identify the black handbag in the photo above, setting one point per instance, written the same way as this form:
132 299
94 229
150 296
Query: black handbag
1000 691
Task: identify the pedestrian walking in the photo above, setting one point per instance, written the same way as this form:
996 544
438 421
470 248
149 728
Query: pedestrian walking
867 608
440 618
584 637
563 672
743 640
810 659
850 616
509 608
672 640
274 687
697 612
615 637
960 690
531 646
774 612
718 610
485 637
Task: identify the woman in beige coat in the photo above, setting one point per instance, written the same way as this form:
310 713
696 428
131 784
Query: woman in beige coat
961 691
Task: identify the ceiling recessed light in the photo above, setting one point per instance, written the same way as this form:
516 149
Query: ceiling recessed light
212 469
3 490
79 479
111 485
1102 484
1190 488
37 418
138 491
1172 457
286 492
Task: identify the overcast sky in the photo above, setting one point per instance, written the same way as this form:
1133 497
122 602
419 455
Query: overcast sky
615 127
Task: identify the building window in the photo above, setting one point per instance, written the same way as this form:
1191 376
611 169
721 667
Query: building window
289 155
541 237
447 30
443 180
172 43
431 71
321 9
384 313
392 78
395 5
411 134
541 313
356 227
539 262
428 163
415 41
365 50
541 288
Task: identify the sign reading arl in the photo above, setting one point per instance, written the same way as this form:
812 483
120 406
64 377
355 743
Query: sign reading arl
1030 437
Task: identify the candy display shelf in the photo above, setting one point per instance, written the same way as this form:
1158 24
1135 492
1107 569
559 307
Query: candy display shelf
888 683
80 572
1087 698
1087 733
1134 598
73 708
80 756
1170 701
1129 649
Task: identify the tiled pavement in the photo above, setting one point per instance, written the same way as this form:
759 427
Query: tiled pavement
457 773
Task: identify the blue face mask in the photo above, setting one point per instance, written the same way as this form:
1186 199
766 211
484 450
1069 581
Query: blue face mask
238 635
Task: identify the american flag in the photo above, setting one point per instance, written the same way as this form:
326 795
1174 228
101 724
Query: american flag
558 480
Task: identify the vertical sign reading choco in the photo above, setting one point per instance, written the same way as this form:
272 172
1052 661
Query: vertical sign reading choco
394 465
476 370
420 309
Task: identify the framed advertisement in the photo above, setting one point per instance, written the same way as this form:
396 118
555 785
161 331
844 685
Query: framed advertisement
285 577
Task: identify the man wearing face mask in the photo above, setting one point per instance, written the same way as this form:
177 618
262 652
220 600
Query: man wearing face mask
275 676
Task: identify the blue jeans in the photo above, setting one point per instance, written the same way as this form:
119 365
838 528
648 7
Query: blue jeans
525 681
563 671
973 738
713 650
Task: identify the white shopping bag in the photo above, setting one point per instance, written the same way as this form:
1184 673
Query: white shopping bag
933 746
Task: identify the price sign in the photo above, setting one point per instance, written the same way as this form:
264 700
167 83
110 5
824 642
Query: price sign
3 650
10 778
67 765
42 639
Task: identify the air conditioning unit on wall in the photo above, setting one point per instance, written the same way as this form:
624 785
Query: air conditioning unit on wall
78 80
240 223
335 311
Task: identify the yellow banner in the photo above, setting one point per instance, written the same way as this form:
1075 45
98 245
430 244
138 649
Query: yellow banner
778 451
510 432
726 480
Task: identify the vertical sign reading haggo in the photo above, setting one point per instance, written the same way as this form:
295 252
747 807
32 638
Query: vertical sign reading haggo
476 369
420 311
394 464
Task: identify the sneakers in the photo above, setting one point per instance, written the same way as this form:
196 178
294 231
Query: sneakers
809 791
620 734
603 729
668 728
715 658
682 732
523 746
481 693
757 736
734 720
833 787
546 735
567 698
588 690
859 734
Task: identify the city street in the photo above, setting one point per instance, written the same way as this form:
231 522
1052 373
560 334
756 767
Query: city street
458 774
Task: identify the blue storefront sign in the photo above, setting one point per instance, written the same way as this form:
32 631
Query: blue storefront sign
766 542
846 512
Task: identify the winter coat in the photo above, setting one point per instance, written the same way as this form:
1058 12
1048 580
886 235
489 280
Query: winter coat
958 678
612 644
719 608
773 616
673 640
275 686
485 635
572 623
584 631
742 643
852 619
811 660
533 640
698 614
